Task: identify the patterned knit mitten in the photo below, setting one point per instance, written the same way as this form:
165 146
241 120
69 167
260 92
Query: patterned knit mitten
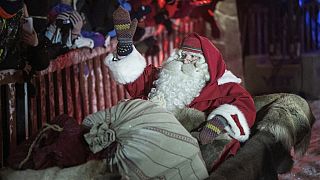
125 29
213 128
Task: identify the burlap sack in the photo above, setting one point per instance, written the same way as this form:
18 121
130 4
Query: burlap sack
151 143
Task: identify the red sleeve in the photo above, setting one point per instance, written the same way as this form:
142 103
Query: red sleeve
236 105
240 98
141 87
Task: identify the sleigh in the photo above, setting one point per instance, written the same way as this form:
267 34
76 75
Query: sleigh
283 123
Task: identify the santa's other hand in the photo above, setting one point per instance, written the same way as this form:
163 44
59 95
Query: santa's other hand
213 128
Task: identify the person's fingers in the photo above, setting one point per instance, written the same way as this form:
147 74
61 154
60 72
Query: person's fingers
26 42
63 16
27 39
28 35
24 37
73 21
75 18
77 15
30 39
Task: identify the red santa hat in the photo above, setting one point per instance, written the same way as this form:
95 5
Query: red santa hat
198 44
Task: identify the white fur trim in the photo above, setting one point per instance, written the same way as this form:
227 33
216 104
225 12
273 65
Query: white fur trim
227 77
226 110
128 68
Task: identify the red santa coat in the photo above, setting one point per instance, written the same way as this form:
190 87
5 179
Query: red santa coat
222 95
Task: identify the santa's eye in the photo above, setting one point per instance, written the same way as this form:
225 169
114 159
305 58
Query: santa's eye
196 58
183 55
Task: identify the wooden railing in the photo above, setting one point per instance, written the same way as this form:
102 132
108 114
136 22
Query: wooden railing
281 43
279 29
76 83
310 27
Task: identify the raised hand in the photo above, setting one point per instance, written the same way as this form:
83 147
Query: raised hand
125 29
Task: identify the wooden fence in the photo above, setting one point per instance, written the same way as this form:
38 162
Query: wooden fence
279 29
76 83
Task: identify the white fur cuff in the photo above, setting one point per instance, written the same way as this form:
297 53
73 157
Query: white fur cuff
226 110
127 69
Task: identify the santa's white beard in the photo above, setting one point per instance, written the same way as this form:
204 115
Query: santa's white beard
178 84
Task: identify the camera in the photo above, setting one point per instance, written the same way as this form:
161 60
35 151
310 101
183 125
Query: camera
65 26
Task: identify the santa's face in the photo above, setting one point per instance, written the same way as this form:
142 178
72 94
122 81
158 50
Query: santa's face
188 63
181 79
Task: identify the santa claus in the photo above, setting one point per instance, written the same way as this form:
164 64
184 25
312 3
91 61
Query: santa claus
194 76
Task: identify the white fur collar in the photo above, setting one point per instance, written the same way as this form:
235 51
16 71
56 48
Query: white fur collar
227 77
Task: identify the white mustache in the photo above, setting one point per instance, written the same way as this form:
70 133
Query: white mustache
188 68
184 69
173 65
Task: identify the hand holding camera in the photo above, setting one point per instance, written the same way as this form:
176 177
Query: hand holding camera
29 36
70 20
